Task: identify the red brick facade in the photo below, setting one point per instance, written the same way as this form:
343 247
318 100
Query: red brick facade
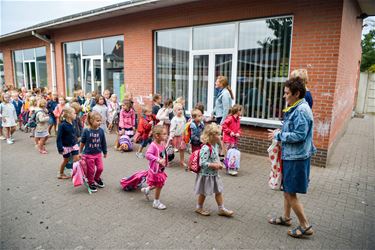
325 40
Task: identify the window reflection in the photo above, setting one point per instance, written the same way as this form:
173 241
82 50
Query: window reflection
91 47
2 79
72 67
214 36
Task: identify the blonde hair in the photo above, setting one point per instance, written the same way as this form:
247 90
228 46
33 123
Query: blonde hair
180 100
67 112
33 101
301 73
157 130
75 105
224 81
42 103
91 117
146 108
176 106
209 132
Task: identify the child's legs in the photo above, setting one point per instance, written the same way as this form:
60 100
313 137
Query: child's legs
219 199
99 166
201 199
182 156
63 164
140 149
90 163
42 143
7 132
36 139
157 193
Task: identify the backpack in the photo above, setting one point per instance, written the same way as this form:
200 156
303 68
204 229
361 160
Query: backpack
193 164
232 159
32 120
187 132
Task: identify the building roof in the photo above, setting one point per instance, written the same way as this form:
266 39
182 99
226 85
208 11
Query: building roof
126 7
367 6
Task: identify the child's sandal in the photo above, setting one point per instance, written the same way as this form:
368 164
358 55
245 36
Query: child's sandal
203 212
280 221
63 177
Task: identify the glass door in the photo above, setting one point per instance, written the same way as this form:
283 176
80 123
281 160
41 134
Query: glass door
206 68
92 74
29 73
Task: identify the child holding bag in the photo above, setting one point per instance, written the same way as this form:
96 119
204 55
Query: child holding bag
208 181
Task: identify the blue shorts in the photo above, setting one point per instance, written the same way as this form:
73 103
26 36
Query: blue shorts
75 152
144 143
296 176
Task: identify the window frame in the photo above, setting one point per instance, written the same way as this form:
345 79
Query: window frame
269 123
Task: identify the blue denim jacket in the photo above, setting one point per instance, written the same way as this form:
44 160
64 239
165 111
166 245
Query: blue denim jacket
296 134
222 104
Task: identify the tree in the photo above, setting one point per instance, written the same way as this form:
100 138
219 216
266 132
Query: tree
368 47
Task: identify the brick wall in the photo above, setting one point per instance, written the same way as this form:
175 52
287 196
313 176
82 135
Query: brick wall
347 76
320 41
7 49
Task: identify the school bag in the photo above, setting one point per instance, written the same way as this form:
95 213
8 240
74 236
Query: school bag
276 175
187 132
134 181
193 163
79 174
32 120
232 159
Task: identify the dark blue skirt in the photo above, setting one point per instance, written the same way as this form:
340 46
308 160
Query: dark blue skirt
296 176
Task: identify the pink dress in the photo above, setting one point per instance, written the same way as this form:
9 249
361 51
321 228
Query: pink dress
156 176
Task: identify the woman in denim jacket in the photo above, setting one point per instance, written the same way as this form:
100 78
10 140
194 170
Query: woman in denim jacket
224 99
296 137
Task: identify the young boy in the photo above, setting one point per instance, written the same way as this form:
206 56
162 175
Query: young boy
146 123
17 103
196 127
156 104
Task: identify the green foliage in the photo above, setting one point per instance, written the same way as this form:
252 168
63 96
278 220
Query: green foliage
371 69
368 51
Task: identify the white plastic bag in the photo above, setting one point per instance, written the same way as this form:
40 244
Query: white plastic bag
276 174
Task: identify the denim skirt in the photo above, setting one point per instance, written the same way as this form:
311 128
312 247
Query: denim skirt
296 175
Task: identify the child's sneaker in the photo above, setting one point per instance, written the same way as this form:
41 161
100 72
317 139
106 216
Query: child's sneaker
225 212
9 141
99 183
158 205
139 155
2 137
93 188
232 172
146 192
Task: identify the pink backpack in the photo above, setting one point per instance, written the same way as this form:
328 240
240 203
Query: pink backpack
193 164
79 174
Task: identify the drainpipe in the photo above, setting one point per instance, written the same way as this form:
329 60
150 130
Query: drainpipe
53 62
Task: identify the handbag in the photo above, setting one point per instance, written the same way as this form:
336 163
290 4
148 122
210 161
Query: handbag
276 174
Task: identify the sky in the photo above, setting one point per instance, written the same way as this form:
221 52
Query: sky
17 14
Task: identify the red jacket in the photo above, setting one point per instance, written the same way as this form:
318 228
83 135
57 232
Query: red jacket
231 124
144 127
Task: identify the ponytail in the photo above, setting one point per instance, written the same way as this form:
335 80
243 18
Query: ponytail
224 81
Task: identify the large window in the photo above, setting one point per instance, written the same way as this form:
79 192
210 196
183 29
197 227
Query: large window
30 68
172 63
2 80
253 55
96 64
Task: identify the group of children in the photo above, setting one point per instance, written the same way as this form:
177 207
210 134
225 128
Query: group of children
83 122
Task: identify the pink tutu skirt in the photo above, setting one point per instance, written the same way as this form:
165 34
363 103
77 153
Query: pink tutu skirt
68 150
156 180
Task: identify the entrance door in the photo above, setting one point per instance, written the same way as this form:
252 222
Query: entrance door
29 73
206 68
92 74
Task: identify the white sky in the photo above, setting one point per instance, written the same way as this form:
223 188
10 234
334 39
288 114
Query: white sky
19 14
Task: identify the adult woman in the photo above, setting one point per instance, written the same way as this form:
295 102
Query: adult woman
224 99
296 137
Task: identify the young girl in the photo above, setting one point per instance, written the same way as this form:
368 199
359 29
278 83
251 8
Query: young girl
176 130
9 117
33 105
58 110
51 105
77 123
231 127
41 130
127 119
156 103
93 144
17 103
156 156
181 101
102 109
124 144
164 114
66 140
196 128
113 111
208 181
144 129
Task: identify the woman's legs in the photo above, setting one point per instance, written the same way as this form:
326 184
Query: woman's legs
297 207
287 207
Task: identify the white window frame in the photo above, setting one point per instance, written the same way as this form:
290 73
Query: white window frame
234 51
2 64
